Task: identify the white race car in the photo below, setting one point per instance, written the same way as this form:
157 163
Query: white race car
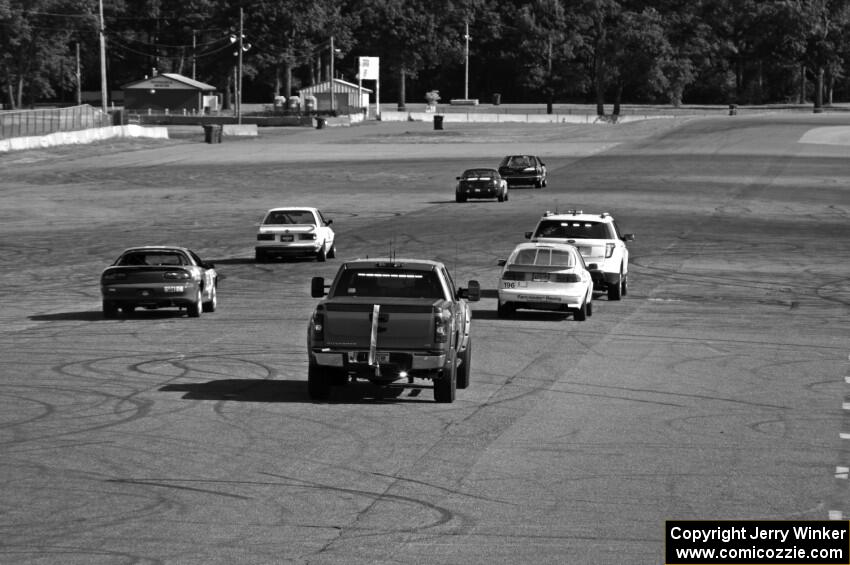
545 276
295 232
599 241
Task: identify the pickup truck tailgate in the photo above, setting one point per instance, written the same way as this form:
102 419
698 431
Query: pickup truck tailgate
400 325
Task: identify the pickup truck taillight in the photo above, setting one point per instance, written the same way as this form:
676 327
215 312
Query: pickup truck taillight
609 250
441 326
317 325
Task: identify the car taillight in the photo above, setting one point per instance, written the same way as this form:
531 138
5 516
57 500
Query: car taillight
441 326
567 278
108 277
317 325
513 276
307 236
176 275
265 237
609 250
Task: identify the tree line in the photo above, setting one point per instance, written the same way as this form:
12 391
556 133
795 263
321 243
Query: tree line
541 51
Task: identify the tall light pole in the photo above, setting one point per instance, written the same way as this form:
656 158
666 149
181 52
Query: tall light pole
466 62
103 93
239 82
333 56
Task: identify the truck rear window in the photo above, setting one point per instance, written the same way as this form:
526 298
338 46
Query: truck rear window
390 283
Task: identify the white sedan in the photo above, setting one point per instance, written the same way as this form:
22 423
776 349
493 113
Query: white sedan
545 276
295 232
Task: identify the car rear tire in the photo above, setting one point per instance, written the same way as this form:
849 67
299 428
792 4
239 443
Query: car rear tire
332 251
580 315
465 364
459 198
318 383
505 310
321 256
212 304
110 310
194 310
615 291
128 309
260 256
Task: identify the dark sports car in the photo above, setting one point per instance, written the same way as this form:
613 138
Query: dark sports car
159 276
481 183
523 170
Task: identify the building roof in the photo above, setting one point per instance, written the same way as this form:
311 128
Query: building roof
168 81
339 86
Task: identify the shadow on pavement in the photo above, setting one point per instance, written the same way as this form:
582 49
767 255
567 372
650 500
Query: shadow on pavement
263 390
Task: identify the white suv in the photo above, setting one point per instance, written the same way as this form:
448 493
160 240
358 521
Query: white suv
599 241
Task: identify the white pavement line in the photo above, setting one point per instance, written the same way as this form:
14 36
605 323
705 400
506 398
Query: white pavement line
836 515
844 435
841 472
846 405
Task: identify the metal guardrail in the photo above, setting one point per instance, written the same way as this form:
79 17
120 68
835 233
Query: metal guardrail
26 123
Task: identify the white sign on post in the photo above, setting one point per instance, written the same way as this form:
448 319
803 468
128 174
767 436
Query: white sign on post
370 70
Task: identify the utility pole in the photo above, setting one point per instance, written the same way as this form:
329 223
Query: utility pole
333 56
194 50
103 92
239 82
79 86
466 62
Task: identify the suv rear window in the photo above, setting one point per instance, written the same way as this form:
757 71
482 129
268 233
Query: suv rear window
574 229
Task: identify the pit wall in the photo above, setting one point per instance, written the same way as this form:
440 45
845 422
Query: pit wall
480 117
81 136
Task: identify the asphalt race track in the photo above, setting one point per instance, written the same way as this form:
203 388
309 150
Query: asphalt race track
715 390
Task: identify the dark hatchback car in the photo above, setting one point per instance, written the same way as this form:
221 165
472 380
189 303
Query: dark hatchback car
481 183
526 170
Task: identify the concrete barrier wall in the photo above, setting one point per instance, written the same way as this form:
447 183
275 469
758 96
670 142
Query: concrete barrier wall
81 136
482 117
243 130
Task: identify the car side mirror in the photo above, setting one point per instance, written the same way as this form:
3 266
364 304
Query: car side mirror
502 262
317 287
528 235
472 292
629 237
209 265
457 178
328 222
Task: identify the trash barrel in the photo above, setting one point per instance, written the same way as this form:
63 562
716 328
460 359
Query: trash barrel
733 109
438 121
212 133
321 123
497 99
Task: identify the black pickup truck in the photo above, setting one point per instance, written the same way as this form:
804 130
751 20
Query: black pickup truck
390 320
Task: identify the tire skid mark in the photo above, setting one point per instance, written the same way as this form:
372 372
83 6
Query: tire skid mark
442 515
